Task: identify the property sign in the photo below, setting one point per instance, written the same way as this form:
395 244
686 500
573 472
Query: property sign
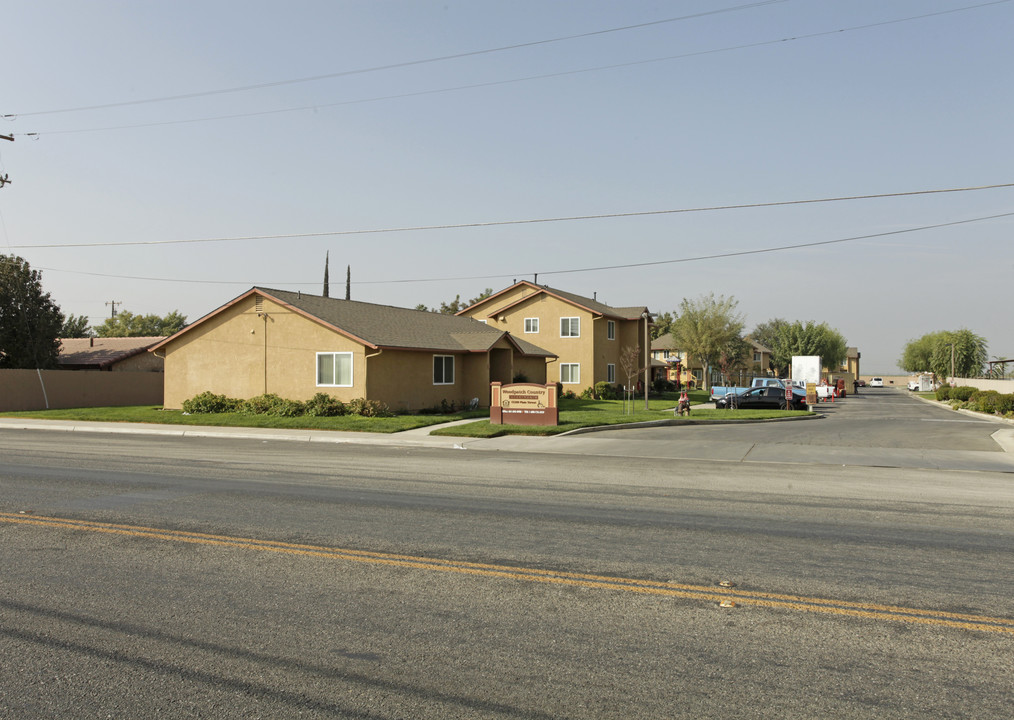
811 393
523 404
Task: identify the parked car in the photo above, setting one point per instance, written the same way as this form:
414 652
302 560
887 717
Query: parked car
876 382
720 391
763 398
913 384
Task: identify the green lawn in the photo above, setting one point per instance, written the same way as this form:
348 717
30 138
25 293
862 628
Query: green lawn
574 413
149 414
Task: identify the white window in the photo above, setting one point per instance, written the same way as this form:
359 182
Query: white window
531 325
570 327
611 329
570 373
610 373
334 369
443 369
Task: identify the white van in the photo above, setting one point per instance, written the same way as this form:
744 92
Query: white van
876 382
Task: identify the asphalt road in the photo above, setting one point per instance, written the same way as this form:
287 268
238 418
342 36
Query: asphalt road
215 578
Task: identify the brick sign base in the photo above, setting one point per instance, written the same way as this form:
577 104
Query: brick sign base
523 404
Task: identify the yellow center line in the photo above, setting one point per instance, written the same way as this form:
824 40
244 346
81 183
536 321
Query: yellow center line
668 589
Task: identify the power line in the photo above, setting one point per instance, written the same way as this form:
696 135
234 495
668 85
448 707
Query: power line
697 258
472 86
394 66
500 223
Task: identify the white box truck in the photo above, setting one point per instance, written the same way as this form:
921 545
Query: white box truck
806 368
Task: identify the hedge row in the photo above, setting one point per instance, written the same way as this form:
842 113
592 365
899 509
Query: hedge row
986 401
320 405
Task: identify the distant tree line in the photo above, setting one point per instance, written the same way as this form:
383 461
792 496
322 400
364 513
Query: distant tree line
31 323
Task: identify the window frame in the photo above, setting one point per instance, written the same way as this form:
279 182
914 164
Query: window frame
572 381
334 368
443 369
571 322
611 372
610 329
532 326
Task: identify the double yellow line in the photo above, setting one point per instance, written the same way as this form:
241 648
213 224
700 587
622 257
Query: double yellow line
729 597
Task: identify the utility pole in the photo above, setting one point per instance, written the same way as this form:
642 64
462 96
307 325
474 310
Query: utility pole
5 179
647 357
114 303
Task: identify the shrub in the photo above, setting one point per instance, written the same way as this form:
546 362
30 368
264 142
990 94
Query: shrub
368 408
963 393
288 408
943 392
605 391
984 400
271 404
661 385
520 377
1005 404
208 402
446 408
260 405
323 405
588 394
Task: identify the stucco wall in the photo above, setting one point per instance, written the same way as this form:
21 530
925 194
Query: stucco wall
242 353
26 390
592 350
142 362
1003 386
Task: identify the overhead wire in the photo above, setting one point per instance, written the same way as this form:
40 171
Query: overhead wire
599 268
394 66
529 221
471 86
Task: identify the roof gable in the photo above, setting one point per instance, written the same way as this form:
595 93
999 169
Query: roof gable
589 304
381 326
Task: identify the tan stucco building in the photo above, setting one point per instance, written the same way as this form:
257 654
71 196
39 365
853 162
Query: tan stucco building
586 337
296 345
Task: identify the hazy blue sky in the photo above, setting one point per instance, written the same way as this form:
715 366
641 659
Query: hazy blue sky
765 102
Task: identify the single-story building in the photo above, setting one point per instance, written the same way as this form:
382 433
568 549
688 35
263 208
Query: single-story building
295 345
116 354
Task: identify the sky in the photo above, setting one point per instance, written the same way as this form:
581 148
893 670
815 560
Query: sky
172 155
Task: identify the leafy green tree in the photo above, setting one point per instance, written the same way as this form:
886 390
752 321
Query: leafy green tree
30 321
737 354
76 326
452 307
809 338
969 354
766 333
705 327
917 355
663 325
456 305
127 324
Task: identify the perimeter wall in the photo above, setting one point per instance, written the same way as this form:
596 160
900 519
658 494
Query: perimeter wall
60 389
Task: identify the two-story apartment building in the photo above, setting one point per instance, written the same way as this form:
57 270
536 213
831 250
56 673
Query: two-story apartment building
588 338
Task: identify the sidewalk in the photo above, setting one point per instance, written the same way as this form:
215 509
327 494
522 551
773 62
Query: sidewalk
419 437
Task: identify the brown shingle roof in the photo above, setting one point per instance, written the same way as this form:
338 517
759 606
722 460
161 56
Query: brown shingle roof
394 327
387 326
592 305
101 352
